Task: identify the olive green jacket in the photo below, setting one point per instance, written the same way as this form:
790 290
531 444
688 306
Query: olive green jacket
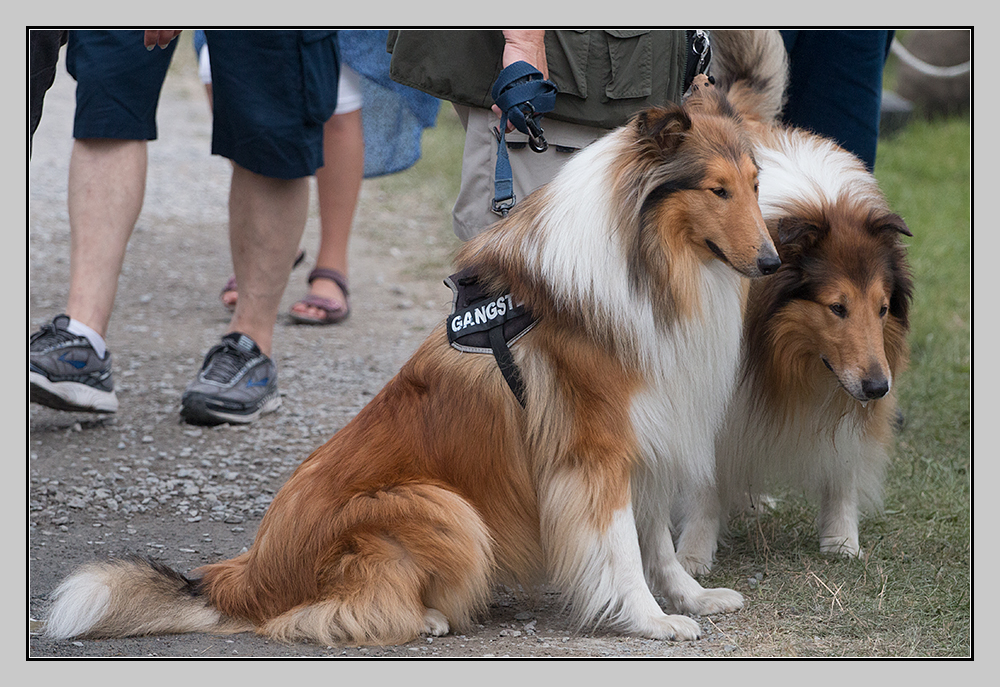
603 77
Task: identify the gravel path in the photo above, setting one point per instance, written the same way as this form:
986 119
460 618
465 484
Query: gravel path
143 482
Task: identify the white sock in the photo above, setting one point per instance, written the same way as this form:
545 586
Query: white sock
96 340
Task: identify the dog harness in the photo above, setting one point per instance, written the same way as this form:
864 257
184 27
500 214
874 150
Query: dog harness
487 323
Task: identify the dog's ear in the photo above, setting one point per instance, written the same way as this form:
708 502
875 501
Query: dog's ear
886 229
796 236
890 222
664 127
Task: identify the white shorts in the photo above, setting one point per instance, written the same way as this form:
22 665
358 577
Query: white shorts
348 85
348 91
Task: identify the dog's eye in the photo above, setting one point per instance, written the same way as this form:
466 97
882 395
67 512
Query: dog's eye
883 311
838 310
756 188
721 192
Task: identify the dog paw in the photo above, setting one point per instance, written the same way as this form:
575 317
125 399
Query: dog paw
435 623
677 628
695 565
720 600
840 546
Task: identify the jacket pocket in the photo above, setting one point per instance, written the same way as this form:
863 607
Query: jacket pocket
568 62
631 55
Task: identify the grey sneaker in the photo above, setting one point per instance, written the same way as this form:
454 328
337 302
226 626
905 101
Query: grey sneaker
237 383
65 373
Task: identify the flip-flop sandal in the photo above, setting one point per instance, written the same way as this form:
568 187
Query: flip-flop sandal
231 282
334 311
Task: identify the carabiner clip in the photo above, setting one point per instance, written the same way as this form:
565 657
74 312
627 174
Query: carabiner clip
536 138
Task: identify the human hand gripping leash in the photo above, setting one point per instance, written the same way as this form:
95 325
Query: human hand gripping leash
523 96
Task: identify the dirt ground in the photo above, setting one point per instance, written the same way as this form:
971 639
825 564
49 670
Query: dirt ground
143 482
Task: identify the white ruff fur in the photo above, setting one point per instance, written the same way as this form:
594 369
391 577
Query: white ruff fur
676 419
581 254
690 367
799 168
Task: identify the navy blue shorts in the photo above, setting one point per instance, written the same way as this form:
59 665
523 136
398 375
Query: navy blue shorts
272 93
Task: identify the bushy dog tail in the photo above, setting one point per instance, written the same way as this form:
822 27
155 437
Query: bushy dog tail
412 559
751 68
132 596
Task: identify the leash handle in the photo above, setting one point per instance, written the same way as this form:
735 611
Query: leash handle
523 96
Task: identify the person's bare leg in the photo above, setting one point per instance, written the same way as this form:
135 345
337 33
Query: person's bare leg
266 219
107 180
338 185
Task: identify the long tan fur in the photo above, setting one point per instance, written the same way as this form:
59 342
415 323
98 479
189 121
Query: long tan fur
444 485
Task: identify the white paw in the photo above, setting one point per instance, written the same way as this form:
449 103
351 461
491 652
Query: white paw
678 628
695 565
842 546
720 600
435 623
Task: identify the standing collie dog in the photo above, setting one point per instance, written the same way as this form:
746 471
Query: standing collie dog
632 262
825 336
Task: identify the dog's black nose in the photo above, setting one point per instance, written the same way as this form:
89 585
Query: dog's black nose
768 264
875 388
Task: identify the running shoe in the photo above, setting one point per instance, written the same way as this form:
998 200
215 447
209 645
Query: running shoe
65 373
237 384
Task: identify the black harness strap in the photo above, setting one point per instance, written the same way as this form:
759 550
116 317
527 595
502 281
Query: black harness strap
505 361
487 323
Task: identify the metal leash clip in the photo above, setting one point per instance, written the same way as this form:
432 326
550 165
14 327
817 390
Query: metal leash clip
536 135
699 56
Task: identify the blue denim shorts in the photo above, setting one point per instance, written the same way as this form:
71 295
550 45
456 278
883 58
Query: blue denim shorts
272 93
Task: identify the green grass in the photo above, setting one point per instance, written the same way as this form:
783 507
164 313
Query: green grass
926 173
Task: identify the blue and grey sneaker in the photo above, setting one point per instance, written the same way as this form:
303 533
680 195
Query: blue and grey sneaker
65 373
237 384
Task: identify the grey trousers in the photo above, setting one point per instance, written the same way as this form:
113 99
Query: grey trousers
472 213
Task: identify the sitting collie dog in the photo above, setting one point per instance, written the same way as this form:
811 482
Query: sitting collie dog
632 262
824 337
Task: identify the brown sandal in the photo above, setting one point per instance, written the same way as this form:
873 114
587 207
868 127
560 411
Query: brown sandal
333 310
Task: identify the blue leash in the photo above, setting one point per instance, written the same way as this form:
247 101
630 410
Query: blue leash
523 96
